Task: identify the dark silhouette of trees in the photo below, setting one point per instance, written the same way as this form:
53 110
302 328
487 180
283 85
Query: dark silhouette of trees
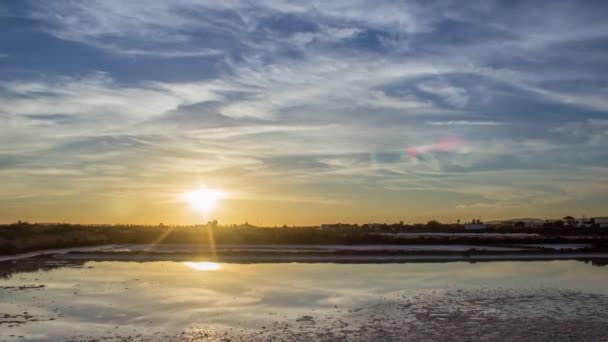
433 224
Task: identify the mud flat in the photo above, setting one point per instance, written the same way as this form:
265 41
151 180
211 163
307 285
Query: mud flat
457 315
599 258
324 253
462 315
56 299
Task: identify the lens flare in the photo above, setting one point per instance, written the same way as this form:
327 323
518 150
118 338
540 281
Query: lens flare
443 145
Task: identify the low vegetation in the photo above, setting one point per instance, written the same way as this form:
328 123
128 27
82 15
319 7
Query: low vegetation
24 237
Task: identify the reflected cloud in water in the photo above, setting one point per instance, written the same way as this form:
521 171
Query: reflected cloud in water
148 297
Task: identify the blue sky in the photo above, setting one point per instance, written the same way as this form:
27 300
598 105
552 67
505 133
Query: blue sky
304 112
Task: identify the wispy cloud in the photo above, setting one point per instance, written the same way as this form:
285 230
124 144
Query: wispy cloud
464 123
329 100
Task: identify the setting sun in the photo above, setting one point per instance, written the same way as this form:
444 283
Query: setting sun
203 200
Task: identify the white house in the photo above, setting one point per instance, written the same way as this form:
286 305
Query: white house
475 226
602 222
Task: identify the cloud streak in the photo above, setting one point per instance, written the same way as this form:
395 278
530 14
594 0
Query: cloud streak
349 102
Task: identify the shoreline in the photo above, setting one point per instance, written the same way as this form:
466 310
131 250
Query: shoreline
373 258
318 253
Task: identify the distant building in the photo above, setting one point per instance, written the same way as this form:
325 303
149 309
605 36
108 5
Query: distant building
587 223
601 222
475 225
335 225
583 222
531 224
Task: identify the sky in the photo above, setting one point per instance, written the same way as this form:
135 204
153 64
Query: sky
303 112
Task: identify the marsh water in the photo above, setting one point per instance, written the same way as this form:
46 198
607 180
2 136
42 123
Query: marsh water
57 300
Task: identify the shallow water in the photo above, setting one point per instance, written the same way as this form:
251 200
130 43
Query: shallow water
209 302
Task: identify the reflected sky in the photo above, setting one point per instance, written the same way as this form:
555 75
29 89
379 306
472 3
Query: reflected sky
171 296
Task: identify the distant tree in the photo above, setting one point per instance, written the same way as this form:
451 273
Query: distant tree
433 224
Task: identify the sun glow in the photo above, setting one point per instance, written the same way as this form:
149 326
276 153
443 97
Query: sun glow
204 200
203 265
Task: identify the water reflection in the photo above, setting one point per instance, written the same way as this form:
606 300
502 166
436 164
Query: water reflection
8 269
97 297
203 265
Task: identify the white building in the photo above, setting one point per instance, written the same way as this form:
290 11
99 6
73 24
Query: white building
602 222
475 226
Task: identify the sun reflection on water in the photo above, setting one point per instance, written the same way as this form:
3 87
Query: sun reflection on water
203 265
